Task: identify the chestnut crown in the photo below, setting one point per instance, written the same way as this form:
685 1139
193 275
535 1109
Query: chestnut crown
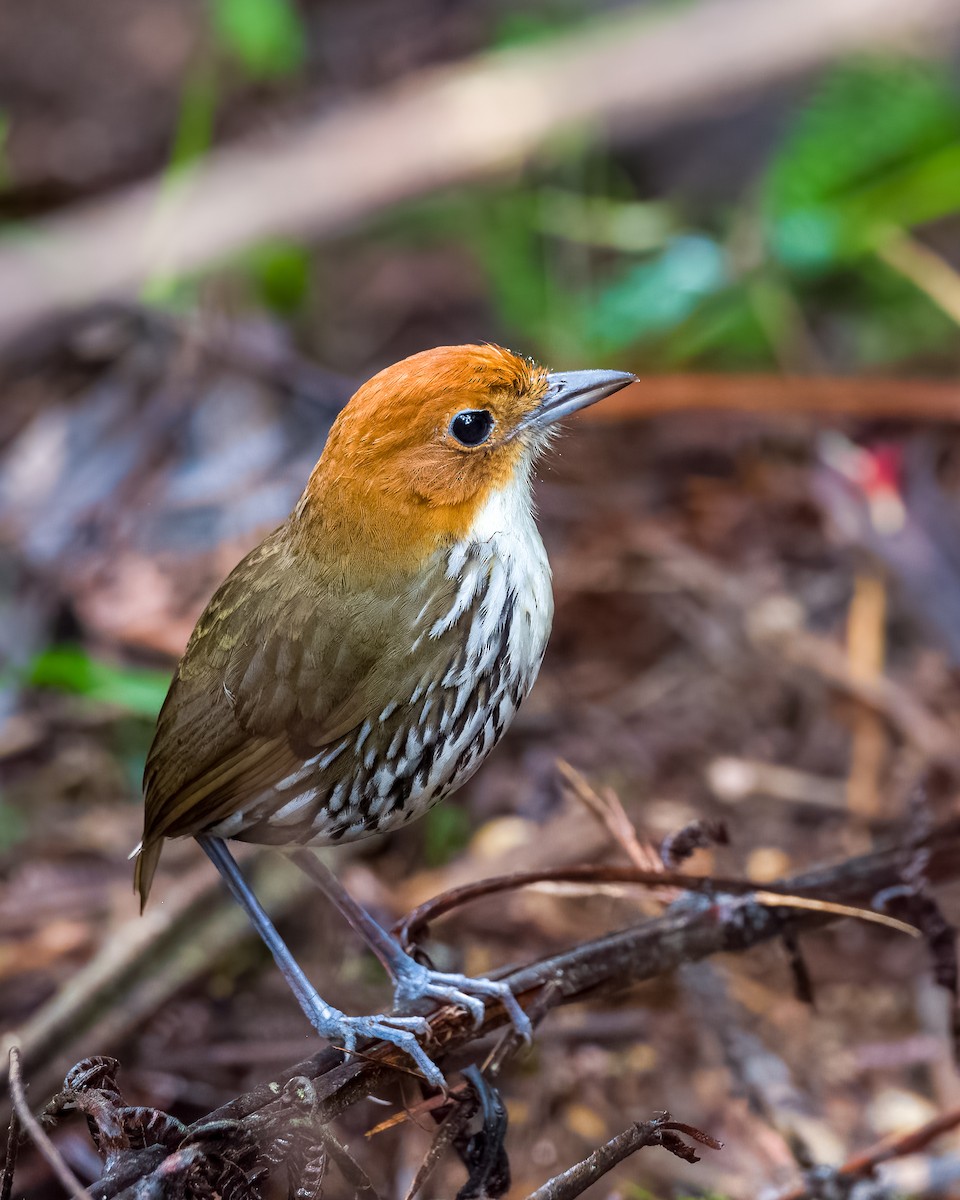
422 445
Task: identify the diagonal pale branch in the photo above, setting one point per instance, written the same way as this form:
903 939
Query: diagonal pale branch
441 128
691 930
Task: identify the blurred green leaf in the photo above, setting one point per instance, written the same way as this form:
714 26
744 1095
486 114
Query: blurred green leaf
658 294
922 190
865 120
879 145
816 239
71 669
724 332
193 136
509 248
265 36
281 271
524 28
811 239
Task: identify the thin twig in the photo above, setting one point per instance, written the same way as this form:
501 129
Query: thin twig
413 924
37 1134
575 1180
609 811
866 654
349 1168
452 1124
898 1145
512 1041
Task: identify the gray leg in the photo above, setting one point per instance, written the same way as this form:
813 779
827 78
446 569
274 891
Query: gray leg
328 1021
412 981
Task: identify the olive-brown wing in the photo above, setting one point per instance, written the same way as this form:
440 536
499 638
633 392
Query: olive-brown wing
282 662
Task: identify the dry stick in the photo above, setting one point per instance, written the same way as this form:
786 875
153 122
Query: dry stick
609 811
408 930
37 1134
934 738
453 1124
442 127
896 1146
575 1180
349 1168
689 932
866 651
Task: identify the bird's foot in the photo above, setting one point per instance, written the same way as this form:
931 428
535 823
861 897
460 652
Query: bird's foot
413 982
402 1032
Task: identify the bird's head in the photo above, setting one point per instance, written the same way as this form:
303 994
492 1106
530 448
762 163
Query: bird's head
422 445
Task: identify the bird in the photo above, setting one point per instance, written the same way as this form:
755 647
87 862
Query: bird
361 662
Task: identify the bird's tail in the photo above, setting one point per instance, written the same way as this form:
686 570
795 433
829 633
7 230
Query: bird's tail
143 872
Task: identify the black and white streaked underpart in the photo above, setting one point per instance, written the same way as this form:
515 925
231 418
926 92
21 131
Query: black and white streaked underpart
404 759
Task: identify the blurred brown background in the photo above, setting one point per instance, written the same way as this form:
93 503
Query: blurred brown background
217 218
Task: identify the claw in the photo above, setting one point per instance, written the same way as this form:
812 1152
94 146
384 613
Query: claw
401 1032
518 1018
429 1069
450 995
500 991
414 982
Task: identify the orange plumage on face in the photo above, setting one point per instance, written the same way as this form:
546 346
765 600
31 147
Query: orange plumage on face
392 455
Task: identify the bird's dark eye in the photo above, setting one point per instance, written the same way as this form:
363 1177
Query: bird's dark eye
472 426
